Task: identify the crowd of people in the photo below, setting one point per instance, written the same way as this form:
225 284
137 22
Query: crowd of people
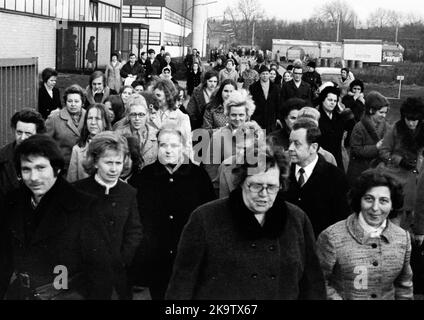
253 181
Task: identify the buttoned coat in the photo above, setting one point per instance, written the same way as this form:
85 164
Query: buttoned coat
196 107
289 90
121 220
323 197
332 131
61 128
395 147
166 201
68 235
113 76
225 254
46 103
363 147
266 110
357 267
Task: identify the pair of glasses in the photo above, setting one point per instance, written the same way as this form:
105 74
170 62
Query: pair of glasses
135 115
257 187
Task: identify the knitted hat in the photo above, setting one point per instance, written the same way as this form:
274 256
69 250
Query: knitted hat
374 100
263 68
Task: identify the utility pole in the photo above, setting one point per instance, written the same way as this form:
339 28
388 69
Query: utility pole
338 28
253 35
396 34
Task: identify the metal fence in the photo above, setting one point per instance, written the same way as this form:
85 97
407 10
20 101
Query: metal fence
18 90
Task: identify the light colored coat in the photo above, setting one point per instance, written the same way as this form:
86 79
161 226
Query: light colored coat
113 76
357 267
76 171
60 126
149 145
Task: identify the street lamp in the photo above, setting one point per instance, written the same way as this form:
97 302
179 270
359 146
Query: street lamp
185 13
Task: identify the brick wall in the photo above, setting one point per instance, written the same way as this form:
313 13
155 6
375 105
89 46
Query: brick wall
24 37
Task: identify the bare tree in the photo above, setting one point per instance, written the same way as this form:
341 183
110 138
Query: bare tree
243 15
413 18
381 18
335 11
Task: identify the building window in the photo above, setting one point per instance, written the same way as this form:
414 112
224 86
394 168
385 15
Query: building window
141 12
94 11
172 39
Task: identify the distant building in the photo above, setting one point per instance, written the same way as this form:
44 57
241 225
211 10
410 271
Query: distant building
169 24
392 52
58 32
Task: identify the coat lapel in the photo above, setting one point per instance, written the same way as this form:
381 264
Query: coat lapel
70 123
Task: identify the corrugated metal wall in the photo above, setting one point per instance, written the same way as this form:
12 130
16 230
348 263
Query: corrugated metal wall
18 90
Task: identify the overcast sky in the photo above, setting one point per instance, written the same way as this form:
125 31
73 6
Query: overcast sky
296 10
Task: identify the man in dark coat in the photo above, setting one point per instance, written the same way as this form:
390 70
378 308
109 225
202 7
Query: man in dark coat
133 68
266 97
316 186
296 88
24 124
168 191
152 65
166 62
312 77
51 246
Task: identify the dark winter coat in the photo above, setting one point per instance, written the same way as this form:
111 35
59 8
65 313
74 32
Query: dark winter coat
266 109
8 176
166 201
313 78
193 80
225 254
46 103
289 90
363 149
323 197
121 219
332 131
62 230
196 108
137 70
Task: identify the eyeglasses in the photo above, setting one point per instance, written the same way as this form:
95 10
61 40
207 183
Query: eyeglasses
135 115
257 187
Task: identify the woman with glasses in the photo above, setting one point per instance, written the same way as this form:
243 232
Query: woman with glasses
252 245
136 126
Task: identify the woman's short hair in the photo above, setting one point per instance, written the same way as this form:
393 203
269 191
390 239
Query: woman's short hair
292 104
174 129
135 100
376 178
412 108
171 94
114 54
95 75
209 74
240 98
309 113
137 83
47 74
39 145
274 157
85 133
356 82
229 60
326 91
102 142
73 89
28 116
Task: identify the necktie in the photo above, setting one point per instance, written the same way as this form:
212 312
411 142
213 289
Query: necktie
301 179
